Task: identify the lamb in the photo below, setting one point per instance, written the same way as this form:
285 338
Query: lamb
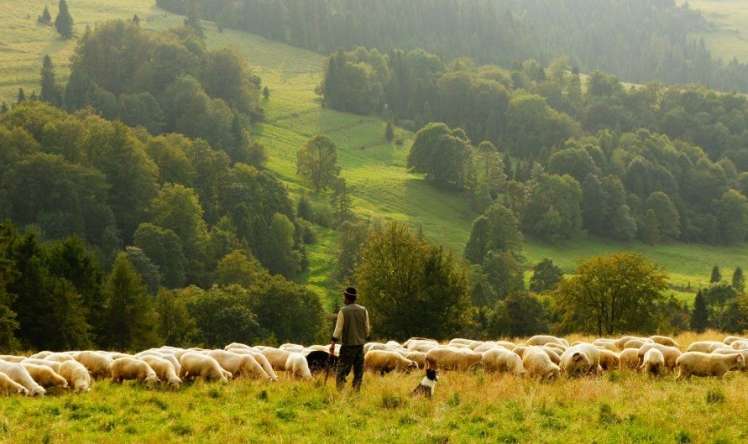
671 354
10 387
124 369
451 358
239 364
503 361
384 361
98 364
629 359
76 375
704 346
196 365
297 366
545 339
653 363
538 365
609 360
45 376
20 375
702 364
577 362
664 340
164 369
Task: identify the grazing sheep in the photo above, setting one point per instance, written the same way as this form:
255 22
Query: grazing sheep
740 344
197 365
11 358
126 369
664 340
576 362
730 339
421 345
609 360
417 357
51 364
452 358
546 339
465 343
636 343
76 375
163 355
730 351
503 361
276 357
297 366
10 387
164 370
59 357
520 350
45 376
653 363
508 345
293 348
621 342
384 361
703 364
19 374
369 346
671 354
629 359
236 345
98 364
538 365
605 344
704 346
40 355
553 354
243 365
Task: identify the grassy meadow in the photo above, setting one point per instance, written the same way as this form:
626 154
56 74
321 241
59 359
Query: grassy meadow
729 36
381 186
617 407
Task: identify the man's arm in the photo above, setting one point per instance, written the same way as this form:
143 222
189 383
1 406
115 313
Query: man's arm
338 331
368 325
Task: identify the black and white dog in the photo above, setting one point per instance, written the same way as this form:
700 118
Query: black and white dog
427 385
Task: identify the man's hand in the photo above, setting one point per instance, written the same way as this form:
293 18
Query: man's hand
332 349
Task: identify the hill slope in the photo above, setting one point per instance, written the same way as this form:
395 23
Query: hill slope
375 170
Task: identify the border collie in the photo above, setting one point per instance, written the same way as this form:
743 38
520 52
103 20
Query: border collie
427 385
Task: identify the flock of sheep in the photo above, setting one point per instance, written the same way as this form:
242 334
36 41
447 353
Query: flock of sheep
543 357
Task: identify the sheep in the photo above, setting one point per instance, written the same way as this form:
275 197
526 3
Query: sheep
703 364
164 369
545 339
740 344
503 361
45 376
163 355
384 361
609 360
12 358
605 345
236 345
628 359
10 387
671 354
538 365
59 357
653 363
369 346
76 375
520 350
40 355
576 362
276 357
730 339
196 365
452 358
421 345
553 354
664 340
507 345
124 369
465 343
265 363
239 364
486 346
20 375
297 366
636 343
51 364
731 351
704 346
621 342
98 364
417 357
293 348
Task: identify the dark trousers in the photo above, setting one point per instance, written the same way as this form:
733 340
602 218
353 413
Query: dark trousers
351 356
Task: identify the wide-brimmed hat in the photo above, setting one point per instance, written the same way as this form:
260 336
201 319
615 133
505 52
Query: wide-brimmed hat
350 292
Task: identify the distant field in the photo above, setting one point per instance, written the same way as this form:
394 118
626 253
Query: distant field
730 37
375 170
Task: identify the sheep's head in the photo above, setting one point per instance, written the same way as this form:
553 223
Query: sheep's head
740 361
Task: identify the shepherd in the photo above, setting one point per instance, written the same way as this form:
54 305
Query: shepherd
352 330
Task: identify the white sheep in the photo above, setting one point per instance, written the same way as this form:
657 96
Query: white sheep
538 365
703 364
653 362
126 369
198 365
385 361
19 374
503 361
297 366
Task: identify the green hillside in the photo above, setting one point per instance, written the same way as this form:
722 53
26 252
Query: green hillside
375 170
729 38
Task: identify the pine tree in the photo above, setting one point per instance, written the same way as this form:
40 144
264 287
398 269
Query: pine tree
45 18
266 93
64 21
21 96
716 277
136 20
738 280
389 133
50 91
341 202
699 315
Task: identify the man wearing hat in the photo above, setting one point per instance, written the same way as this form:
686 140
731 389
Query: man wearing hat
352 331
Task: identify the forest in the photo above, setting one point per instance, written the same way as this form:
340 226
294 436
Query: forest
637 40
